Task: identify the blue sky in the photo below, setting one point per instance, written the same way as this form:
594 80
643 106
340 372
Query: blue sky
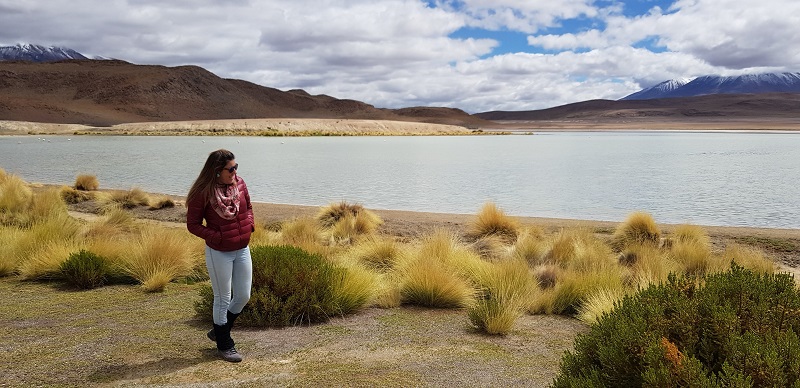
477 55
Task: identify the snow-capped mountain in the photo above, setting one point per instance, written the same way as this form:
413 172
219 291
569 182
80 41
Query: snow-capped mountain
37 53
712 84
659 90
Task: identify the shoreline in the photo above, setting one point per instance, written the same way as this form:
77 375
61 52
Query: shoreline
272 212
378 127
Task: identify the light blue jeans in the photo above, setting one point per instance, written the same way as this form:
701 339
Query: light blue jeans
230 273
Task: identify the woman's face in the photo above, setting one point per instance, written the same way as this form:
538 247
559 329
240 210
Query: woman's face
228 174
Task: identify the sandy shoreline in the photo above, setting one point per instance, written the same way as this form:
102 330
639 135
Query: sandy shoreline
355 127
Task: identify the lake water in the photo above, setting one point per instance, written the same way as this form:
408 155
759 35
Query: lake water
727 179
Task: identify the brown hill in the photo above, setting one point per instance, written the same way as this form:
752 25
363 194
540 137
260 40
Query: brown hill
103 93
721 106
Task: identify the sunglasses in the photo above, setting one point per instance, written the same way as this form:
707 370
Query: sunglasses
233 168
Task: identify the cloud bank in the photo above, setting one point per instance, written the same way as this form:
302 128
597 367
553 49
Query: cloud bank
400 53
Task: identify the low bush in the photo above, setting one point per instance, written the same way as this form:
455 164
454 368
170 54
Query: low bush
84 270
86 182
736 328
290 287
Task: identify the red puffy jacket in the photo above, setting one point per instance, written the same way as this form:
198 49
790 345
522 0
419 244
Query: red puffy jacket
221 234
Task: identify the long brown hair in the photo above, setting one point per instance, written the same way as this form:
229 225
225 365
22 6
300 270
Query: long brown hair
205 182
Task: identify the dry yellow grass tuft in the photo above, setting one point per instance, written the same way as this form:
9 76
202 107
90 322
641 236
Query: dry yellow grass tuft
86 182
47 204
380 254
356 289
648 265
303 232
598 303
161 202
429 283
15 198
694 258
531 246
72 195
491 221
491 247
690 233
507 290
747 257
45 263
129 199
160 256
638 228
8 257
365 221
115 223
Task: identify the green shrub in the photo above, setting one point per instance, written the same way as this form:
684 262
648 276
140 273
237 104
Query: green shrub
290 287
736 328
84 270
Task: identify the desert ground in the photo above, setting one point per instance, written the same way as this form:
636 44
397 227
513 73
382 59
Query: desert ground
121 336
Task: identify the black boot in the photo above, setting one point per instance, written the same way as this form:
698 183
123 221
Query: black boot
231 317
225 345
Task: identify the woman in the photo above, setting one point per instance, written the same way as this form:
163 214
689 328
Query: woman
220 197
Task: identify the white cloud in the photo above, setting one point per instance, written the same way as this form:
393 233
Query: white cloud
396 53
519 15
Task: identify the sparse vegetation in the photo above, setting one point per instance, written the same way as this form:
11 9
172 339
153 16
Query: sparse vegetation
492 278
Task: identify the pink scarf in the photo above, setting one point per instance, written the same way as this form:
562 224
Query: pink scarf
226 201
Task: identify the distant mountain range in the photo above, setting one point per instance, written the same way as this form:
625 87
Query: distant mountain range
712 84
112 92
37 53
60 85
